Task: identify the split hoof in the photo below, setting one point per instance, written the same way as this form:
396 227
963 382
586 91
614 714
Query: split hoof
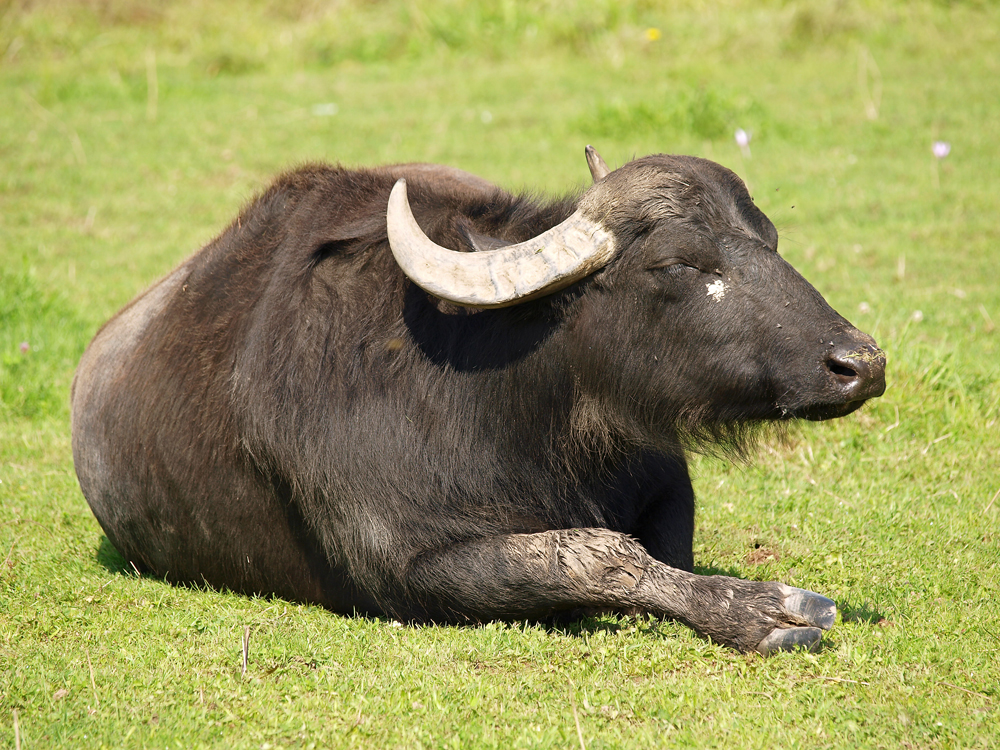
813 609
807 608
790 639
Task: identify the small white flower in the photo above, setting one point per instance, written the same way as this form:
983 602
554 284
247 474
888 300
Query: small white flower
941 149
743 141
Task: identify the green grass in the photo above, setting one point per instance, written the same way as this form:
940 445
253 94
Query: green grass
132 132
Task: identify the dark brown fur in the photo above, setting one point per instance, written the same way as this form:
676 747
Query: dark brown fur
287 414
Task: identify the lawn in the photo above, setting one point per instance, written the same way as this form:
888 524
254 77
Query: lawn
131 133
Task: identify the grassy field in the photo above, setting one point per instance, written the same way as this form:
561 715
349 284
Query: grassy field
132 131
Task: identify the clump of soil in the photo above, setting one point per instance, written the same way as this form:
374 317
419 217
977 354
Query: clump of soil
762 556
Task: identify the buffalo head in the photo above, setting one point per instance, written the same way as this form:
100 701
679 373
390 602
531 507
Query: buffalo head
691 317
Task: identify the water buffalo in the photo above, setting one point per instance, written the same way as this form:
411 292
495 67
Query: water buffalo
405 392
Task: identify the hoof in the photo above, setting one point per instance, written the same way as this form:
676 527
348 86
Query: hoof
814 609
790 639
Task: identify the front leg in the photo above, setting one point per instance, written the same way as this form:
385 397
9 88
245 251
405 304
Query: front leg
666 527
535 576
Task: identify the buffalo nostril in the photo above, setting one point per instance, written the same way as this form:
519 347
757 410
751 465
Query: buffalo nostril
860 372
841 370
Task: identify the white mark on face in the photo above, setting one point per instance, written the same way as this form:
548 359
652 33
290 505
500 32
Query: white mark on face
717 289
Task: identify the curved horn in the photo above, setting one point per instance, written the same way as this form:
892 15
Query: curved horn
598 169
496 278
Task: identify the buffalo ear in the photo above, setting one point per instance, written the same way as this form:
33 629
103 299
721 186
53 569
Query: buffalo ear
477 242
598 169
346 236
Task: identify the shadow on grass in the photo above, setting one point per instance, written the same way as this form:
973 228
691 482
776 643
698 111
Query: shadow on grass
583 625
112 559
860 613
